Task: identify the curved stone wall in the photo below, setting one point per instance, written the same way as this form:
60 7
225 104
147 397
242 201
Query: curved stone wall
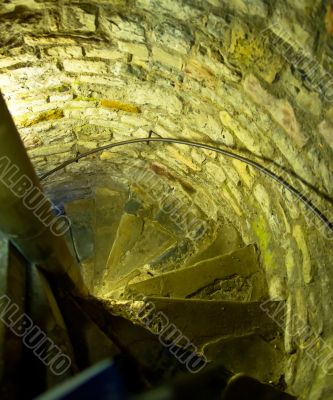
251 77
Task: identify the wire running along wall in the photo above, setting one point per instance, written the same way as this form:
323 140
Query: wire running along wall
227 153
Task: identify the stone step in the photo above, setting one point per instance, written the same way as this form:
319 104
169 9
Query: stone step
240 355
201 321
138 241
236 277
173 257
143 203
187 251
227 240
154 359
140 203
171 215
108 211
82 216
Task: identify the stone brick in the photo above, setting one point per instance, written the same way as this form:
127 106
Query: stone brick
309 101
83 146
183 158
249 7
171 60
32 141
280 109
215 3
200 72
28 105
326 130
207 124
217 26
244 172
77 20
230 172
157 97
25 73
64 52
135 119
289 30
217 68
172 38
262 197
51 150
6 81
241 133
231 201
179 8
227 138
303 247
127 30
61 97
7 8
276 288
106 80
289 337
48 41
7 62
110 54
198 156
45 116
138 50
80 66
292 270
118 105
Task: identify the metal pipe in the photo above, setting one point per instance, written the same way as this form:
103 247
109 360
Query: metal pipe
26 216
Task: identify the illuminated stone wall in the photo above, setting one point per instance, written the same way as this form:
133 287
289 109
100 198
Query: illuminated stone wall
253 77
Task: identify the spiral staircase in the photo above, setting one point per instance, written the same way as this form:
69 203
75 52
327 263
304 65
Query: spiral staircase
132 252
210 288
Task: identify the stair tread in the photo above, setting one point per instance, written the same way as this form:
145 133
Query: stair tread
138 240
205 279
205 321
173 257
240 355
148 204
109 206
81 214
134 340
227 241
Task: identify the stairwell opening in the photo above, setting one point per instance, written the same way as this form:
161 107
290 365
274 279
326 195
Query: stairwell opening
252 78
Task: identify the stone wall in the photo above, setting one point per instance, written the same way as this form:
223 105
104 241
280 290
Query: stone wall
251 76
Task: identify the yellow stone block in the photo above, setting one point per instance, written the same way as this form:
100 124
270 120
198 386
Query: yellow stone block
41 117
118 105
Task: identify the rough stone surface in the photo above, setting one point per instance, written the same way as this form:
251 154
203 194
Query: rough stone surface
229 74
